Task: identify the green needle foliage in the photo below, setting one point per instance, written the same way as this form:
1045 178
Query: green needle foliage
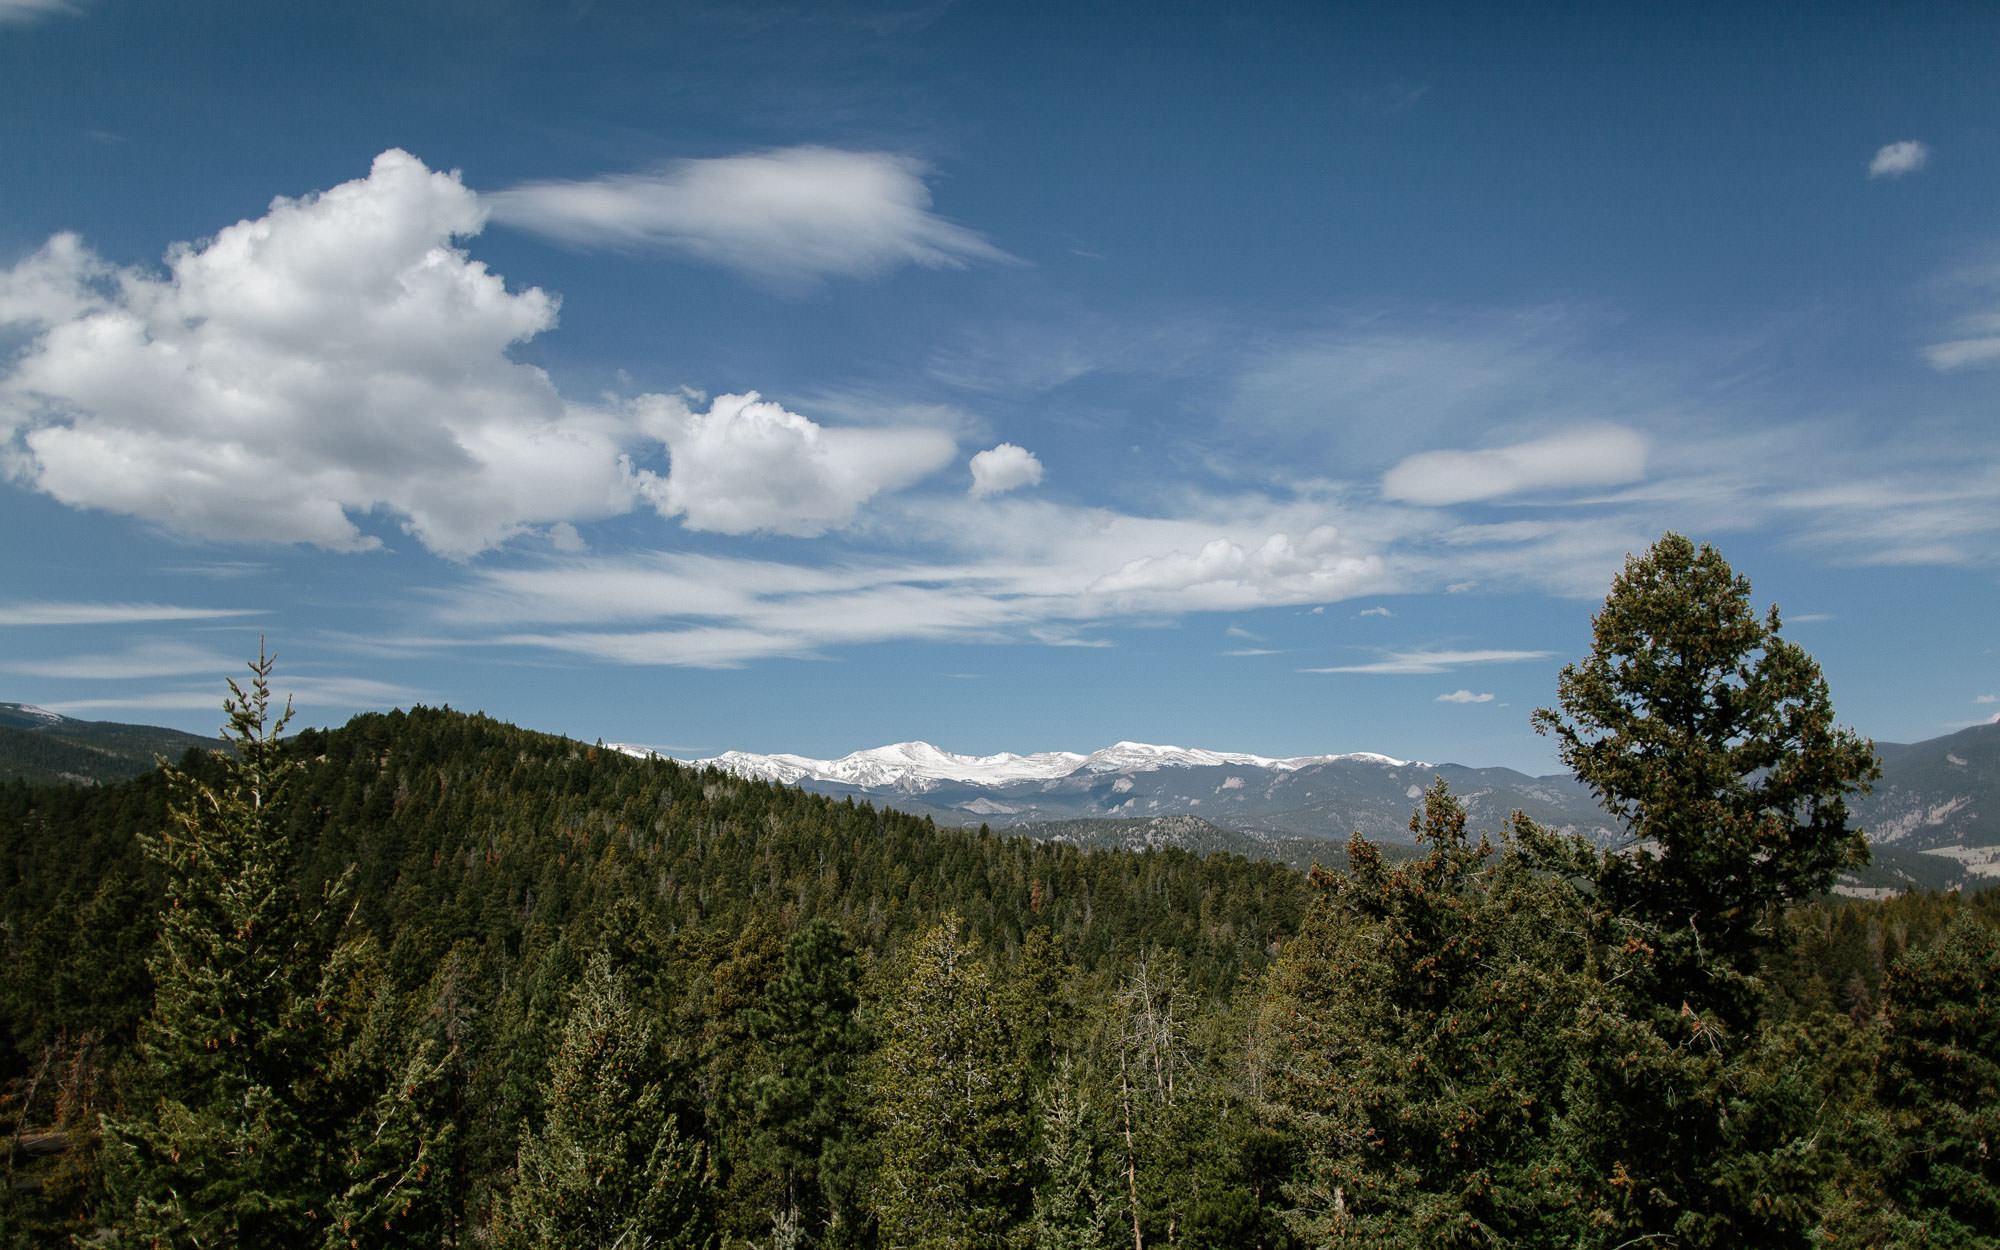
1712 738
223 1143
1941 1086
1424 1010
608 1167
254 1118
950 1106
802 1105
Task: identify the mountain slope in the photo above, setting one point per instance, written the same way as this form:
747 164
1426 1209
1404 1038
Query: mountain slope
45 748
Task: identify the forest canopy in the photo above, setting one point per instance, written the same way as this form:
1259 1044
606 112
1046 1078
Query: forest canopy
429 979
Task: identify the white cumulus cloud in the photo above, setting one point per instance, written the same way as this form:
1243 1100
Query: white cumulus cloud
335 356
1893 160
1605 455
747 465
789 216
1464 696
1000 469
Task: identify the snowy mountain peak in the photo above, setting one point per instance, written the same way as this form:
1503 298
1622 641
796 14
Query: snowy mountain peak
915 767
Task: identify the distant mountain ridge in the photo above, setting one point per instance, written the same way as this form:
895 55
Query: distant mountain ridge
1266 799
919 767
48 748
1934 817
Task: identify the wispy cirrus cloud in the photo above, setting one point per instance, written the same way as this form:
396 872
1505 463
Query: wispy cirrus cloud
60 613
789 217
145 659
1423 662
305 691
23 11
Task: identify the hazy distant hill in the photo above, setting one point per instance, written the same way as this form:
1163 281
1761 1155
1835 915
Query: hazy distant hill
40 746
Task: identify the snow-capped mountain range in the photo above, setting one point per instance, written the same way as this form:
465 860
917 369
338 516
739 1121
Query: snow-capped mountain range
1932 801
919 767
1314 796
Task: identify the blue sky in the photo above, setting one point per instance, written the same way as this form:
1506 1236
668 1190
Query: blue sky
1266 377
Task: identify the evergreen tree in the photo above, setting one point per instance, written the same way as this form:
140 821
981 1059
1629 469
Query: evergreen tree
225 1140
391 1181
1712 739
949 1102
1940 1082
1073 1209
801 1104
1423 1014
608 1166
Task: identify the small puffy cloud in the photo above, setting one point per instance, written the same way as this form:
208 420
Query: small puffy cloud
747 465
788 217
1893 160
1434 661
1375 611
1464 696
336 356
1986 698
1605 455
1000 469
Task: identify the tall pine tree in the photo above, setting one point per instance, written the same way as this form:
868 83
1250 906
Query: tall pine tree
801 1103
221 1144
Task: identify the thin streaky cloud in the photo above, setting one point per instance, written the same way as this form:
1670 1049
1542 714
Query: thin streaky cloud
1463 696
791 216
150 659
1417 662
49 613
1960 353
23 11
304 692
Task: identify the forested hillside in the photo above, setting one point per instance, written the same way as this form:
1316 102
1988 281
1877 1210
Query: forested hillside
432 980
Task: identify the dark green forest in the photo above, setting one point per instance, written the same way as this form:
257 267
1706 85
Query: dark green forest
428 979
